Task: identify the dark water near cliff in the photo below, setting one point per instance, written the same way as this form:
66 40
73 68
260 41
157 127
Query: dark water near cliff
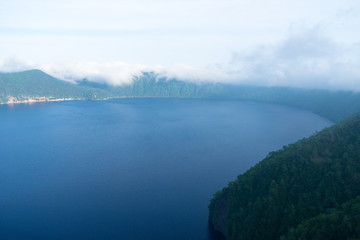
130 168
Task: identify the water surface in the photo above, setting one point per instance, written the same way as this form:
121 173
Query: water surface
130 168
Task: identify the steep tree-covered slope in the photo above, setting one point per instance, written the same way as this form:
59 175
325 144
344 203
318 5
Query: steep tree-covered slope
337 223
307 190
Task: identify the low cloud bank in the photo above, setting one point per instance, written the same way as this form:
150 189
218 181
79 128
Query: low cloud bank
302 60
307 59
116 73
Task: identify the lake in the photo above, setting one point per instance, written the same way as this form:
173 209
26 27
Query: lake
131 168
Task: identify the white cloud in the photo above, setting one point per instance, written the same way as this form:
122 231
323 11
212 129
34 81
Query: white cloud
304 59
162 32
118 73
114 73
14 65
269 42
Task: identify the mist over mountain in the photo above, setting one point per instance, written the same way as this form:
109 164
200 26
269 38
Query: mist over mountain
35 85
304 59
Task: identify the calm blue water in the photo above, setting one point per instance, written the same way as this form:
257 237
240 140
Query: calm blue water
131 168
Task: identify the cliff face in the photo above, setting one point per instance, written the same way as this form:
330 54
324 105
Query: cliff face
219 212
313 180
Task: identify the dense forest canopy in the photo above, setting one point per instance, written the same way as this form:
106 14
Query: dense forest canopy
307 190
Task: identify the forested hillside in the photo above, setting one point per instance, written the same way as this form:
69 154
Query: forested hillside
35 83
307 190
333 105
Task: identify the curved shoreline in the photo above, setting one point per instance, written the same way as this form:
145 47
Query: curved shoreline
13 101
31 100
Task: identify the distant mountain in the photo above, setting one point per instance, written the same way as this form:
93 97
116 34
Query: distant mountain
333 105
307 190
35 84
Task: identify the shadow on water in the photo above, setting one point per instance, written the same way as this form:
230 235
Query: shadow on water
214 234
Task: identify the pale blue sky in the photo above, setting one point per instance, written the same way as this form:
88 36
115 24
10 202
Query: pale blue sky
272 42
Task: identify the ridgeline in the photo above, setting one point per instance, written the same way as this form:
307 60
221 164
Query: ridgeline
35 85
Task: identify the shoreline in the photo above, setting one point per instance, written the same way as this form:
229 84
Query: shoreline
42 99
14 101
31 100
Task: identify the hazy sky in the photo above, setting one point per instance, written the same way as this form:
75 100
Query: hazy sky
272 42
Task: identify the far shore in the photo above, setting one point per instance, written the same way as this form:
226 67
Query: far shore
31 100
13 100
